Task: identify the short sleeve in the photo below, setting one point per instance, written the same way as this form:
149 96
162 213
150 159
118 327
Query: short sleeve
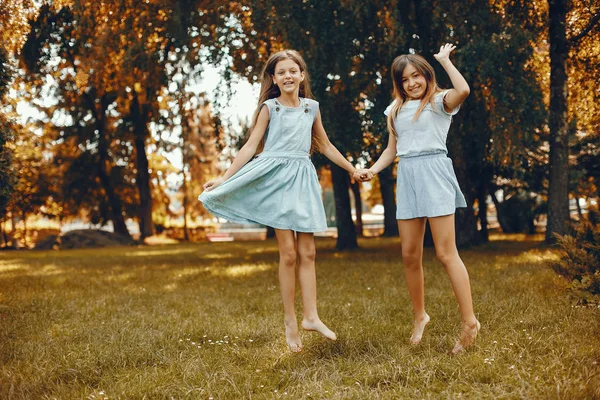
386 112
270 104
439 100
313 105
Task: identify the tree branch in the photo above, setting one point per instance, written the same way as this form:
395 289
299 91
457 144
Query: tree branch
592 23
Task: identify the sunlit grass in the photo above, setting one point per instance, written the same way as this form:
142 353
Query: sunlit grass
205 320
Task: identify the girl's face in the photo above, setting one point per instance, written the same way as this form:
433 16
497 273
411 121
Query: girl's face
288 76
413 82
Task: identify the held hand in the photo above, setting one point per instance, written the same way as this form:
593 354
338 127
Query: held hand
212 184
444 53
363 175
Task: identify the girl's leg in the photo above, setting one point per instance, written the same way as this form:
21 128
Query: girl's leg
287 283
308 285
412 233
442 230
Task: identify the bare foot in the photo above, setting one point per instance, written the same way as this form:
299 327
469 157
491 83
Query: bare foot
467 337
292 337
418 328
320 327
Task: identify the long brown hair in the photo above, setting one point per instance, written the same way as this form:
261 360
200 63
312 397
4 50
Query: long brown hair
268 89
400 96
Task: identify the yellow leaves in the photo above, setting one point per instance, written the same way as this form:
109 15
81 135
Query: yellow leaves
13 23
82 79
137 87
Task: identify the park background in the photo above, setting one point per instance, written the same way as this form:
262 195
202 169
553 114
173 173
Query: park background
114 113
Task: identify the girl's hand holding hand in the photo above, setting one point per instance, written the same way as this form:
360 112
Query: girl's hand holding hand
210 185
444 53
363 175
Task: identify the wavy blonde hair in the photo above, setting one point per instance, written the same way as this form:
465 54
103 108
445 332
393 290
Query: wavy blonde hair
400 96
268 89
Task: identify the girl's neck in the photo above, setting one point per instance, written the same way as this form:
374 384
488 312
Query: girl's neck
289 100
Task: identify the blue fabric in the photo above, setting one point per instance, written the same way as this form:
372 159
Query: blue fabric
428 132
278 188
426 186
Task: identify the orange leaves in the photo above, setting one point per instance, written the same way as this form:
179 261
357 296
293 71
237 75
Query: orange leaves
13 23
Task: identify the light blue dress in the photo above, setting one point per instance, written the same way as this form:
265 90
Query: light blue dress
279 187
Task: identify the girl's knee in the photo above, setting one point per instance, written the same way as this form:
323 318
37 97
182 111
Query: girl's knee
307 253
446 256
288 257
411 257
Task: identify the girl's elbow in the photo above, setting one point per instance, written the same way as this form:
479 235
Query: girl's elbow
250 147
466 91
328 148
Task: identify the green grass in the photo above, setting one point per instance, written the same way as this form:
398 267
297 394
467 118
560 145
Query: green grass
205 320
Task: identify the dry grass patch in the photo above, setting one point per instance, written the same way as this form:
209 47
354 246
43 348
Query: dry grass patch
205 320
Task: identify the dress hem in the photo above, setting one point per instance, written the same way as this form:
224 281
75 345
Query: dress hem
236 216
432 214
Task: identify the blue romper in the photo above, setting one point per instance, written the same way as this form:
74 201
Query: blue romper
279 187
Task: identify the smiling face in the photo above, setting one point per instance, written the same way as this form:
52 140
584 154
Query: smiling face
288 76
413 82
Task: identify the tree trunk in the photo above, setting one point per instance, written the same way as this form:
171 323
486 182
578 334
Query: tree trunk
386 186
357 208
423 17
465 219
558 187
139 114
104 166
466 226
13 229
24 215
186 235
346 239
4 234
114 201
482 214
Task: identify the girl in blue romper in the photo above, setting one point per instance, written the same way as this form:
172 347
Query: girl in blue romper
279 187
427 189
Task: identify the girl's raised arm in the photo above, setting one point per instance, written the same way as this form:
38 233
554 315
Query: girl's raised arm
246 152
460 90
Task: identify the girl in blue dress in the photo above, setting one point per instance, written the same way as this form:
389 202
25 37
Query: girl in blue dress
279 187
418 121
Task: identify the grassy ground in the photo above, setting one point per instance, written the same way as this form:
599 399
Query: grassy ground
205 320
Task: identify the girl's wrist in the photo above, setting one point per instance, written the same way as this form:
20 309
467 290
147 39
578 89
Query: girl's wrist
445 63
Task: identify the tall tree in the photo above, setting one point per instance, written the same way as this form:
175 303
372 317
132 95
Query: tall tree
13 26
58 50
7 173
560 46
558 190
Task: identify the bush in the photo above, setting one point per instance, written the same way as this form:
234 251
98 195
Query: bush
580 262
517 213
